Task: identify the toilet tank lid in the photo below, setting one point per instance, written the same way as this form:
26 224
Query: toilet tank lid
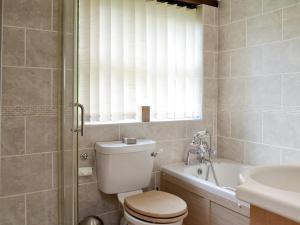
118 147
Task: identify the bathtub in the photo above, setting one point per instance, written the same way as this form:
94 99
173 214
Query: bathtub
227 173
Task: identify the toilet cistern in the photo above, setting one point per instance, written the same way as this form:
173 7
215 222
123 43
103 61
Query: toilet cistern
125 169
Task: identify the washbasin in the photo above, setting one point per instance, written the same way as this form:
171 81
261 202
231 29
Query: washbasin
273 188
286 178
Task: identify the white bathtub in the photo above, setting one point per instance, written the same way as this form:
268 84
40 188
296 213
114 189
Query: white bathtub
227 173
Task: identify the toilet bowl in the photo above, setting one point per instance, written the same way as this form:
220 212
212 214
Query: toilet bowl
153 207
134 221
125 170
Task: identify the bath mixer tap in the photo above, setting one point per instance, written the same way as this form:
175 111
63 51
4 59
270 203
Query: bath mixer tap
201 147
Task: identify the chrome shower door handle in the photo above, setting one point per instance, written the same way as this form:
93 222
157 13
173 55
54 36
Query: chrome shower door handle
82 118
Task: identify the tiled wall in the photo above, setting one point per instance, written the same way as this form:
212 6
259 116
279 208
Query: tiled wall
172 137
28 194
259 81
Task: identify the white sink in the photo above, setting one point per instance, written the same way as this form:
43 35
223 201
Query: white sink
274 188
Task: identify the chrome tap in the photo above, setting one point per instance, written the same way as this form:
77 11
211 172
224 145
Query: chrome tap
200 147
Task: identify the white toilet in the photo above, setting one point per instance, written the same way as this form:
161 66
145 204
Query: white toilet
125 169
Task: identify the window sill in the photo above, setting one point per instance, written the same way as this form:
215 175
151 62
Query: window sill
139 122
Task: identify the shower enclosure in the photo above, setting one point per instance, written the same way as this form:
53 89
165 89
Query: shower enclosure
39 112
70 123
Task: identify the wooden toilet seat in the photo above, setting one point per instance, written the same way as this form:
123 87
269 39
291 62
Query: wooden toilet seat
156 207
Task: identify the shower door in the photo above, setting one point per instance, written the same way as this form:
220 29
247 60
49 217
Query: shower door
70 126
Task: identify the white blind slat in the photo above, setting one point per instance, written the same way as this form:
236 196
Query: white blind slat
136 52
129 59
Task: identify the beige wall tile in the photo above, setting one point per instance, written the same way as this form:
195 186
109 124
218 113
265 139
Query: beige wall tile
67 161
263 91
207 123
290 90
210 64
269 5
246 126
170 152
12 210
230 149
232 36
23 87
67 132
210 92
231 92
257 154
27 90
155 130
56 19
12 135
13 46
282 57
151 185
94 133
224 123
210 38
240 9
209 15
272 82
42 208
224 12
42 49
94 202
281 129
290 157
68 42
27 13
247 62
40 135
165 130
137 130
26 173
264 29
224 64
67 91
291 18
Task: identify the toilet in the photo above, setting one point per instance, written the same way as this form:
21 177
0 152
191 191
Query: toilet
125 169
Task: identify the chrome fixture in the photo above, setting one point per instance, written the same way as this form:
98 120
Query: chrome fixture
84 156
81 107
201 146
129 141
91 220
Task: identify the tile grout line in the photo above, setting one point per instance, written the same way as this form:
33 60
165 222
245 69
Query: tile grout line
27 193
25 46
258 143
52 6
30 28
25 134
25 208
262 13
297 38
27 154
52 170
31 67
52 88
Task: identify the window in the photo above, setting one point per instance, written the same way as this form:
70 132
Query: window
136 52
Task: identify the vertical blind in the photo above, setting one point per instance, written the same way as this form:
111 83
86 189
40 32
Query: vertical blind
136 52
